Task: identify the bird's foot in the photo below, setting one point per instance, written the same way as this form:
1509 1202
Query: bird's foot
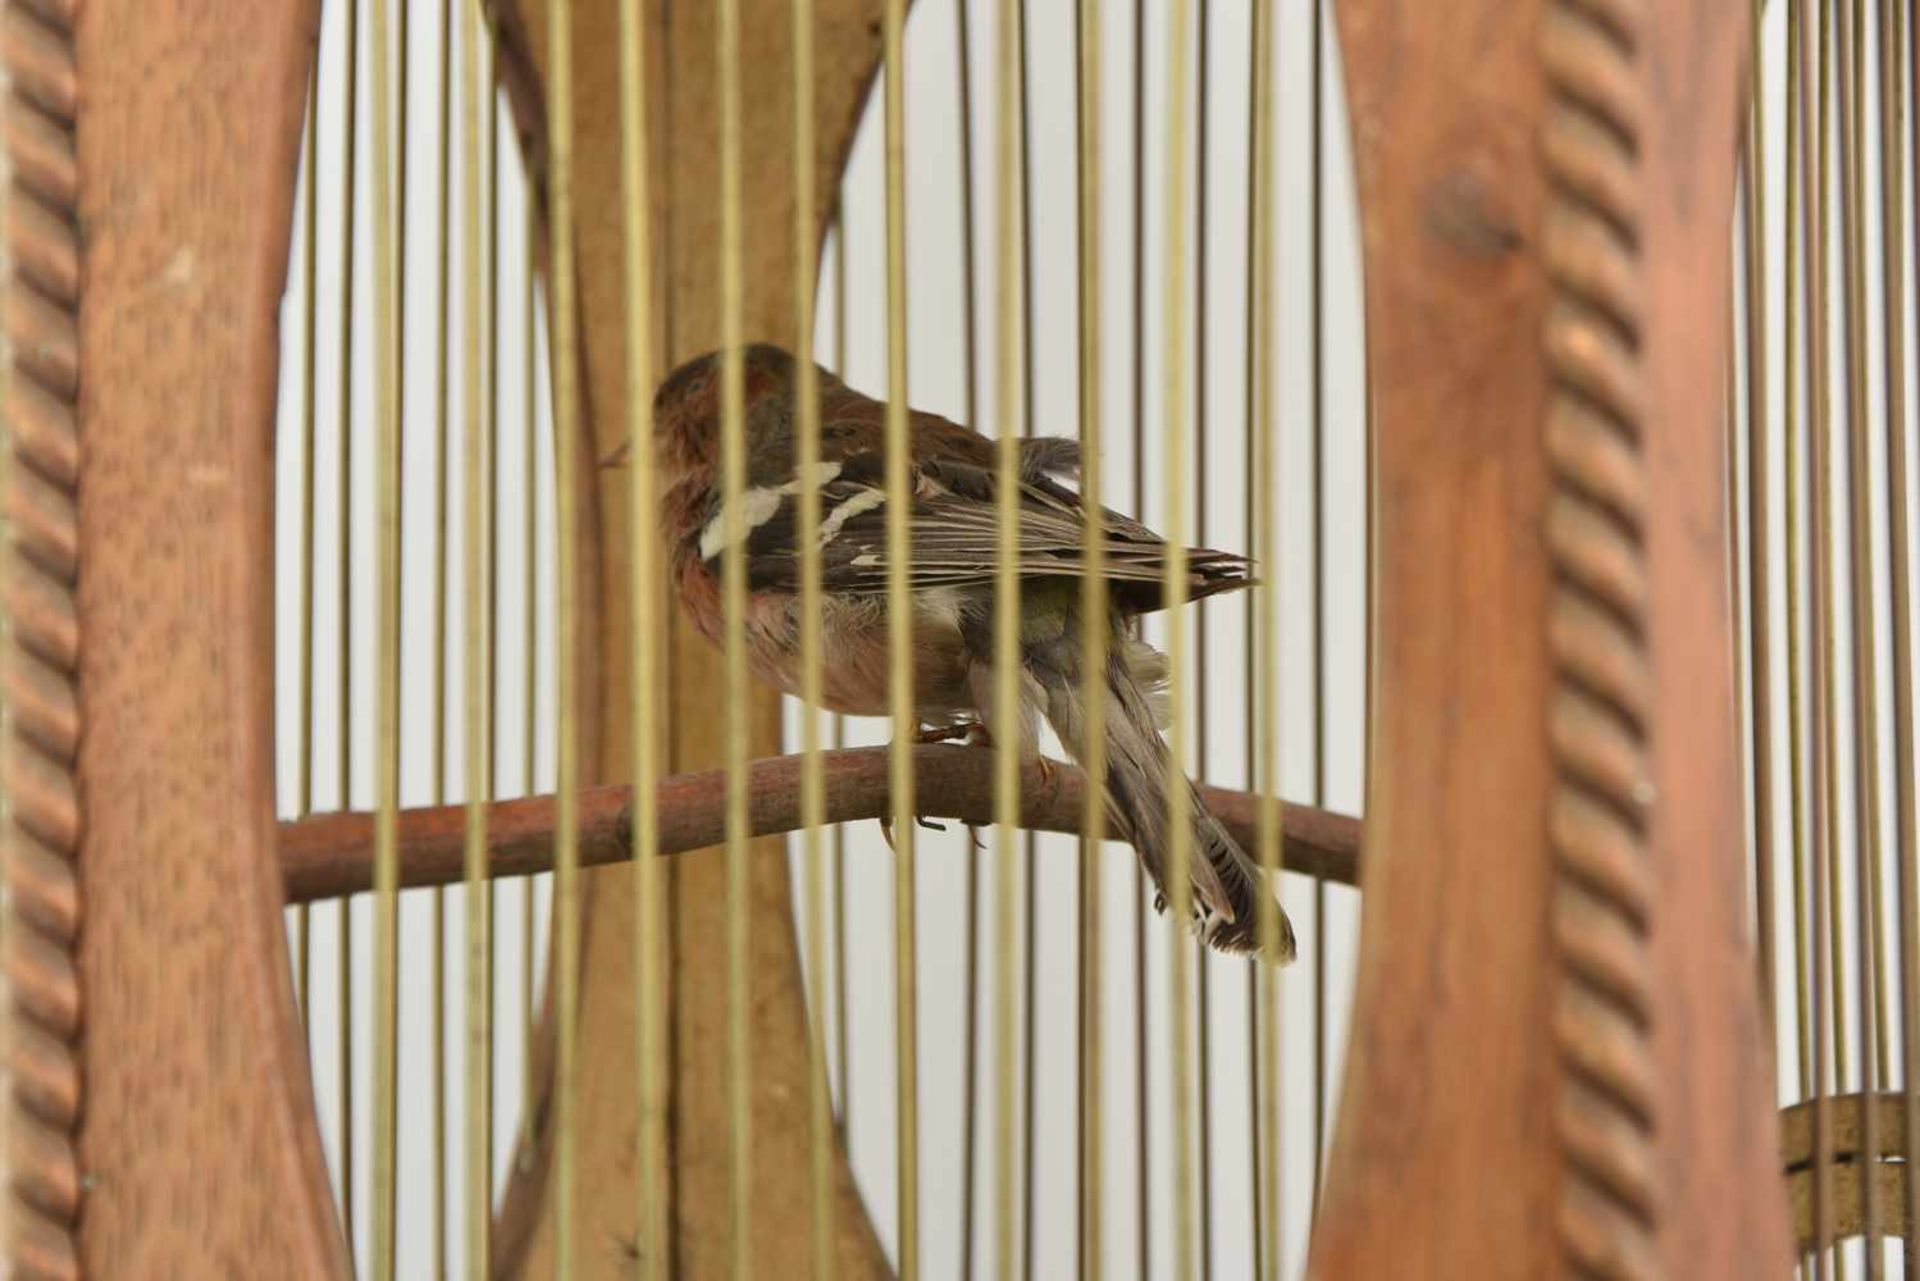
971 731
920 820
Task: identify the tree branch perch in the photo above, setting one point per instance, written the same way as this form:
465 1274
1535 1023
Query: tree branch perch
329 855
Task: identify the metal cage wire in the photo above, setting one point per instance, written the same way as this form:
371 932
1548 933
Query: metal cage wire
463 229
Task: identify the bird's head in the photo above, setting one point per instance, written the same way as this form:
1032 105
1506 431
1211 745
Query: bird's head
687 406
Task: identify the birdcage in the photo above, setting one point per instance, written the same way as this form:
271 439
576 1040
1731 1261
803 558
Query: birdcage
486 796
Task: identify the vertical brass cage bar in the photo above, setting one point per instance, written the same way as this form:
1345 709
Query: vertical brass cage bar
1006 637
310 296
653 1237
442 470
970 363
1793 445
1868 930
1830 1065
1317 290
813 798
733 464
477 643
1094 607
1263 642
1180 850
530 633
1200 611
387 160
1759 546
567 428
344 969
900 642
842 1050
1142 1141
1029 843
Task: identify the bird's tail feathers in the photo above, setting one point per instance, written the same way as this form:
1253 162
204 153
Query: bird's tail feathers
1225 882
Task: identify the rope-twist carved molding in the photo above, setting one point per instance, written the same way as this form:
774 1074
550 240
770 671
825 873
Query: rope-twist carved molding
1607 1216
40 732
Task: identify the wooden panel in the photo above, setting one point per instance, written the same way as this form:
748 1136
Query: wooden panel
1719 1173
1555 992
686 229
1449 1069
199 1146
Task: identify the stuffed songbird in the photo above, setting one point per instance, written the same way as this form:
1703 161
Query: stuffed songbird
953 545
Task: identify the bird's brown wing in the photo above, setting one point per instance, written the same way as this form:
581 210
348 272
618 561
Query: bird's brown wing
953 530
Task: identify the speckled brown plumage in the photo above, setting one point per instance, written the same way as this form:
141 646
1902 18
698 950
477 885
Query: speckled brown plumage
953 543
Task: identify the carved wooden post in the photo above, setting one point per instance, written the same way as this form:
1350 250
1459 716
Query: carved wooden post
1556 1065
685 225
198 1152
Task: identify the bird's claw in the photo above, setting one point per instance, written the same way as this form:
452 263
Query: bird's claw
886 829
972 734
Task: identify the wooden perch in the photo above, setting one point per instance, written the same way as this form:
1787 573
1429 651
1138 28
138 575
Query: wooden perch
332 854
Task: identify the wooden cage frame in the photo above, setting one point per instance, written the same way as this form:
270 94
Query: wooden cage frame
1556 992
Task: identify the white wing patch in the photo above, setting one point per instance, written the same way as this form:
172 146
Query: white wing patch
757 507
823 473
864 501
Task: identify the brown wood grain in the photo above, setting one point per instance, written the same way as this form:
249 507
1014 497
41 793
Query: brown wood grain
1531 658
198 1148
1448 1078
1719 1173
685 226
328 855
